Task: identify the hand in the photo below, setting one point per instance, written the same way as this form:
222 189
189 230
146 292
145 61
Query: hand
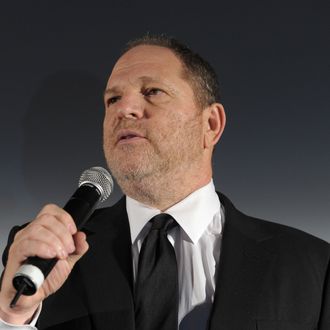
53 234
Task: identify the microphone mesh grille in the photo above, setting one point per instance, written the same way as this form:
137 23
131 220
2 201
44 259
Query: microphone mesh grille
100 178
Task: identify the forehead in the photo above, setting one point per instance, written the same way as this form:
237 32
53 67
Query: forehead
146 61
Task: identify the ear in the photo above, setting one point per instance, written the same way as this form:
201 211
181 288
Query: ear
214 124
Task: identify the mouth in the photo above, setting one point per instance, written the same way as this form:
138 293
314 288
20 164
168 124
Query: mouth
127 136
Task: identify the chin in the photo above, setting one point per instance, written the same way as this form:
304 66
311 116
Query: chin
124 174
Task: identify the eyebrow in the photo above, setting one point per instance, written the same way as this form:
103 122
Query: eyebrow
112 90
145 80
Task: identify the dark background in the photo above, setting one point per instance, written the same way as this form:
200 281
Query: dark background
272 59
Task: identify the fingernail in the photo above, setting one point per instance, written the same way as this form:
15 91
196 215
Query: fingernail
72 248
51 253
71 229
62 253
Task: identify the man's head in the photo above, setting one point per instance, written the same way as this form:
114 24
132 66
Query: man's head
155 134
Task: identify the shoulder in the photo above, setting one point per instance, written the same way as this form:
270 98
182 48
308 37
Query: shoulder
293 245
279 238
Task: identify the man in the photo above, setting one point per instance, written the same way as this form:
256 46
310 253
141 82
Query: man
234 272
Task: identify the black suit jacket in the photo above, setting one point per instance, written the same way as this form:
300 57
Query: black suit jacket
270 277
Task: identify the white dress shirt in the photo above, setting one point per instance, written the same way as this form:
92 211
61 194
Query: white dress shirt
196 242
197 246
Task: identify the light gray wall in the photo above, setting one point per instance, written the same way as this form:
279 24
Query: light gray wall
273 160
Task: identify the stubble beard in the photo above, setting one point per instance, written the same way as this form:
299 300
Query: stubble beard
150 175
139 171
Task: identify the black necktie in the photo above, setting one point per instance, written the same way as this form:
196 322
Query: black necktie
156 290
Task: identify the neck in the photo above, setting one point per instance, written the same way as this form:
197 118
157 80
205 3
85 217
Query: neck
164 191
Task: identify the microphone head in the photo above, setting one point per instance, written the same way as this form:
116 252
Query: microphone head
100 178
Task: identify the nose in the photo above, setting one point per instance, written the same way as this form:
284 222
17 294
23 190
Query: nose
130 107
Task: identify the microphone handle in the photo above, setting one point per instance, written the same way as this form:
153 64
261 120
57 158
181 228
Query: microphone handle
32 273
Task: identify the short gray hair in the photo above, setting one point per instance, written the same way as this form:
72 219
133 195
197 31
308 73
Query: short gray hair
197 71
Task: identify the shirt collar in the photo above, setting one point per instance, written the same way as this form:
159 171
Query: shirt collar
193 214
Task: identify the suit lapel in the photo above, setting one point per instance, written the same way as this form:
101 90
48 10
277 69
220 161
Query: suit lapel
108 269
243 264
109 231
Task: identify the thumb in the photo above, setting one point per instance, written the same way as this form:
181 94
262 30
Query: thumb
81 248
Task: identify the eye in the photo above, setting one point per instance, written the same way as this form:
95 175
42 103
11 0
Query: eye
152 91
112 100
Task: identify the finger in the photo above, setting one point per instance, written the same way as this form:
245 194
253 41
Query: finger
20 252
27 244
58 228
50 230
61 214
81 247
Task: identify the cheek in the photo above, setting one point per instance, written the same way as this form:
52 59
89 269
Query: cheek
105 127
108 123
107 131
169 132
165 129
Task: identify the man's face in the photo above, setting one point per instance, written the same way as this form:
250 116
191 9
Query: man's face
152 126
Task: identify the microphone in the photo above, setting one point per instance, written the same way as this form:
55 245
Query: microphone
95 186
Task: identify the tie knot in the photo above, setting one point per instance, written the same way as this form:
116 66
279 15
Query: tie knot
163 221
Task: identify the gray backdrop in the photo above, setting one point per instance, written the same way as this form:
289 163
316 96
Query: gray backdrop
273 63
